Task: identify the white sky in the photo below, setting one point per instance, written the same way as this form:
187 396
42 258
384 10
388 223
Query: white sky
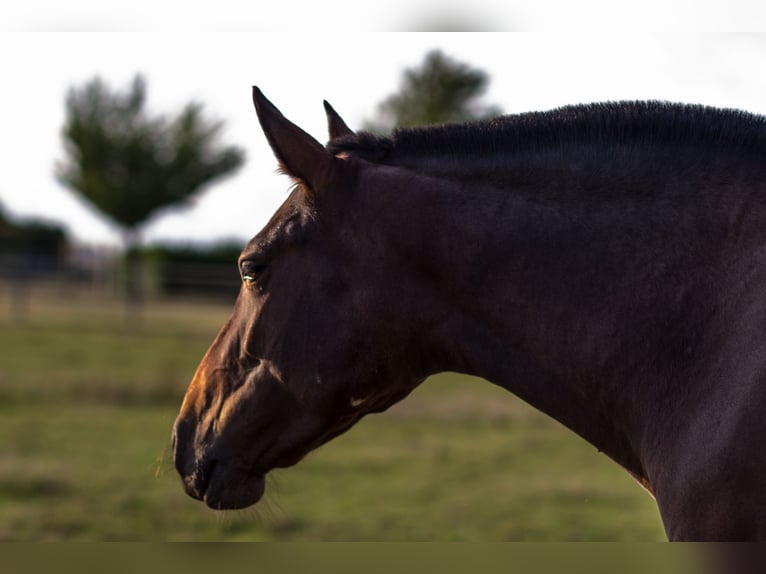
354 71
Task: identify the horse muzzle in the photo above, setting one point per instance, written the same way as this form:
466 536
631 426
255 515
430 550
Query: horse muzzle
221 485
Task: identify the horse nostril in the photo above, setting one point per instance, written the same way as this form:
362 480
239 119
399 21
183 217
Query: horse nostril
179 438
193 468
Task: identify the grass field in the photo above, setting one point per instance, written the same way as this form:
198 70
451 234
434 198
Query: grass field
87 404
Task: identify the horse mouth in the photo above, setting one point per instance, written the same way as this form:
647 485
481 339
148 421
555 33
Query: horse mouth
222 486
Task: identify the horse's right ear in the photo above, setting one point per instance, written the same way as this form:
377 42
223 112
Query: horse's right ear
299 154
335 124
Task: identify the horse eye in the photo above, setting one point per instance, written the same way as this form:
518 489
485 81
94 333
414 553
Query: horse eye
251 270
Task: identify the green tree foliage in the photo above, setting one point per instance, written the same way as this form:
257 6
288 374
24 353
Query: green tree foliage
33 237
440 90
129 164
207 270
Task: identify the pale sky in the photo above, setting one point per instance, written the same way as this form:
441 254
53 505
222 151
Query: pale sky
353 70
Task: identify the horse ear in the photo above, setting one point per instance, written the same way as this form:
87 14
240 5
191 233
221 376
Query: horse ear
299 155
335 124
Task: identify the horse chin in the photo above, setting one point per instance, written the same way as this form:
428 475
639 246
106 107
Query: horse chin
231 488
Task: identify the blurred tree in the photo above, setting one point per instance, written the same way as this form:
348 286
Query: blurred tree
440 90
200 270
32 238
129 164
28 249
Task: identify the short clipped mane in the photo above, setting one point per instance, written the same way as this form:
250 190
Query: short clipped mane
620 123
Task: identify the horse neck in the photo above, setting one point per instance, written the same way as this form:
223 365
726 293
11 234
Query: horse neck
522 283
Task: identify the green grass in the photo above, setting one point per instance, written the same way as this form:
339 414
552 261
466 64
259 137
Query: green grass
87 404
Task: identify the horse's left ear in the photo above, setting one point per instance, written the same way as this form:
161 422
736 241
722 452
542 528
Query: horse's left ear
335 124
299 154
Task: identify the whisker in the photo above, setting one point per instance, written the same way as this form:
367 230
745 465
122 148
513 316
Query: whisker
160 471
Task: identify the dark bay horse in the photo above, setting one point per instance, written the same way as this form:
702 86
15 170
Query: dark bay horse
605 263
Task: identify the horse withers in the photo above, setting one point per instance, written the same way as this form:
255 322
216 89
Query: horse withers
605 263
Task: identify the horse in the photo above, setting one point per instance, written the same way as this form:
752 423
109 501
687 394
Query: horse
605 263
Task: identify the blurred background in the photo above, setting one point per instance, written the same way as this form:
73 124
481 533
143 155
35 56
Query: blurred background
134 171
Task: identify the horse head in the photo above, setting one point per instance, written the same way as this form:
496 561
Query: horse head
311 345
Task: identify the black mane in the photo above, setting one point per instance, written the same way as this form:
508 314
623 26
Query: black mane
611 123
